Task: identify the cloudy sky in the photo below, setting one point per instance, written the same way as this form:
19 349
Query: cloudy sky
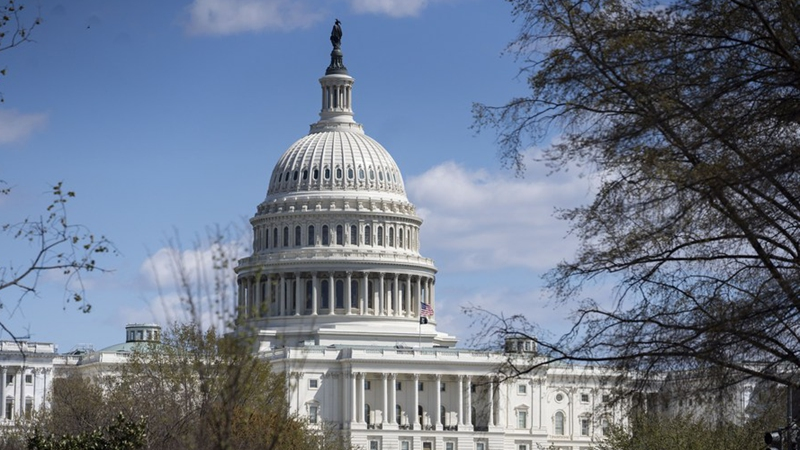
166 118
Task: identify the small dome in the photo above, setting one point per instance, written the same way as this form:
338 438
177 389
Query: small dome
336 160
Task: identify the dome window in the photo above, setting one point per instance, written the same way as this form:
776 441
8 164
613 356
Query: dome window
388 177
316 173
360 174
296 175
391 236
339 235
327 173
349 173
280 177
380 176
400 239
286 177
338 173
325 235
367 236
394 175
305 174
286 236
380 236
371 174
353 235
311 235
297 237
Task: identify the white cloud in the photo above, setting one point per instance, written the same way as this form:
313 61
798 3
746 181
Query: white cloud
392 8
16 126
223 17
479 220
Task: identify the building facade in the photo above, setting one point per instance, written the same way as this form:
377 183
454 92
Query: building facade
342 301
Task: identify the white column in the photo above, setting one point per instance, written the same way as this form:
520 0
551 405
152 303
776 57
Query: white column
242 312
269 295
3 394
282 295
461 399
415 411
385 377
393 398
491 403
259 297
362 401
396 295
353 397
364 293
468 420
348 293
298 296
438 420
331 294
432 293
409 303
381 306
314 296
20 400
418 292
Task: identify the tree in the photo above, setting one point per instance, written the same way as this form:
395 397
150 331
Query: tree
56 246
687 112
121 434
14 30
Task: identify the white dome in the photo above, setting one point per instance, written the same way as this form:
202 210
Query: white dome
336 160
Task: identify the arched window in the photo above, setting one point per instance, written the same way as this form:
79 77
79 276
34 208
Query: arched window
305 174
408 239
338 173
297 237
353 235
285 236
369 295
274 238
400 238
316 173
367 235
325 288
309 294
349 173
311 235
380 235
559 423
354 293
265 237
391 236
339 294
296 175
327 173
325 235
339 235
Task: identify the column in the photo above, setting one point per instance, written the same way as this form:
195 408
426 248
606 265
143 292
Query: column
20 400
348 294
364 292
491 403
331 294
353 397
468 420
409 303
461 400
314 301
381 306
282 295
362 401
269 294
418 292
396 295
259 297
415 409
298 294
3 394
393 398
385 377
438 415
242 312
432 293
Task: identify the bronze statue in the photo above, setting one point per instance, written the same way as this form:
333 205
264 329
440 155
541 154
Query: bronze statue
336 34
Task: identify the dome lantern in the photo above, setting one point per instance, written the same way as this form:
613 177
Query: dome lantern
337 91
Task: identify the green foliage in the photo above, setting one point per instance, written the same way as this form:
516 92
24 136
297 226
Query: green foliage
686 113
121 434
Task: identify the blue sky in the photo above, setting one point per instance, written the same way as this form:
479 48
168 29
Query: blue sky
167 117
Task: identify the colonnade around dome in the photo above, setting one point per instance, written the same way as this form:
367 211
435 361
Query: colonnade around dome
350 293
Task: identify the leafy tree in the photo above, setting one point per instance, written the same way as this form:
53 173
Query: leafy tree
121 434
688 114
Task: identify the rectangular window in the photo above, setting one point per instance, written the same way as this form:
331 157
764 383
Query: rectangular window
9 379
405 445
443 387
421 386
522 419
427 445
313 413
313 383
522 389
9 409
480 445
374 445
584 426
28 407
473 388
367 385
399 385
449 445
584 398
28 378
606 398
522 447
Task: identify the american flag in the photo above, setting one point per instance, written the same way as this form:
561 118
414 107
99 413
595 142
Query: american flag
425 310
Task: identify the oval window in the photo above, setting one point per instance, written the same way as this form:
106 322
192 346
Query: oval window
338 173
305 174
327 173
350 173
316 174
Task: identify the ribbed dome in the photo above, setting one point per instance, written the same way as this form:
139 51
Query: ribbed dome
336 161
